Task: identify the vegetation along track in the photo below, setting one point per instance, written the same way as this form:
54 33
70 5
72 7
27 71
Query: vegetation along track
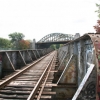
29 83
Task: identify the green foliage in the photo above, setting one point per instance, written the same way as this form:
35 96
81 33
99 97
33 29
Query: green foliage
97 26
15 39
5 43
98 11
53 46
24 44
56 46
61 45
16 42
16 36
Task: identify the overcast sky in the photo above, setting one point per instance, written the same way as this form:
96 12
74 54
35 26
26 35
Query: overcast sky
37 18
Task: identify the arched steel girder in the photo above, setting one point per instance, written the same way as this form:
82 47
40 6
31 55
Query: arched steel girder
56 37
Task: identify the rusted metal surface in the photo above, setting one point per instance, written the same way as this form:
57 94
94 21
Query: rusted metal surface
87 92
64 92
96 42
87 51
69 74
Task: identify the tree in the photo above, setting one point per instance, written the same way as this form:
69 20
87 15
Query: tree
5 43
24 44
57 46
98 11
16 38
97 27
53 46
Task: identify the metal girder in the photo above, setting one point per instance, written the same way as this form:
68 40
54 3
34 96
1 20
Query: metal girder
84 69
56 37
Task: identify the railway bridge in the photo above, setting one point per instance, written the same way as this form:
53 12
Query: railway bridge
70 73
54 38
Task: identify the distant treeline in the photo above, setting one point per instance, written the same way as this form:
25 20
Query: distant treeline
56 46
16 42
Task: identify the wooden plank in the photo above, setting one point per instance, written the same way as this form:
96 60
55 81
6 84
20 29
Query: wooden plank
27 79
53 71
14 92
48 93
13 96
50 84
18 88
23 86
46 97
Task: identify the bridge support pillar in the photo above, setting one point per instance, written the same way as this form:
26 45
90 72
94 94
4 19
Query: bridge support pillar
33 44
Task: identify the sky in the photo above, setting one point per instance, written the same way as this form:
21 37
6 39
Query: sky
38 18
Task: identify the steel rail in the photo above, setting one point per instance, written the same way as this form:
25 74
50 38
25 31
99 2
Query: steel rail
8 80
36 88
43 85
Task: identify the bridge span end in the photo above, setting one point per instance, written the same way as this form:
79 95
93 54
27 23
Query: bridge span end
79 69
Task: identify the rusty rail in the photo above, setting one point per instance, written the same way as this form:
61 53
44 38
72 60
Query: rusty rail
16 79
36 88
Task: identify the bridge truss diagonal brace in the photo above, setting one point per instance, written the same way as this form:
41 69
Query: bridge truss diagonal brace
38 53
65 54
10 61
22 58
34 54
82 84
65 69
29 55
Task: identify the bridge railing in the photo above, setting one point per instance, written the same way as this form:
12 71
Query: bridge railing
78 62
12 60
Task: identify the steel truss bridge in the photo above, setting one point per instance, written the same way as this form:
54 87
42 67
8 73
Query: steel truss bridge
56 37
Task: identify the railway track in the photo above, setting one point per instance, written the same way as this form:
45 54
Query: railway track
76 75
31 82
